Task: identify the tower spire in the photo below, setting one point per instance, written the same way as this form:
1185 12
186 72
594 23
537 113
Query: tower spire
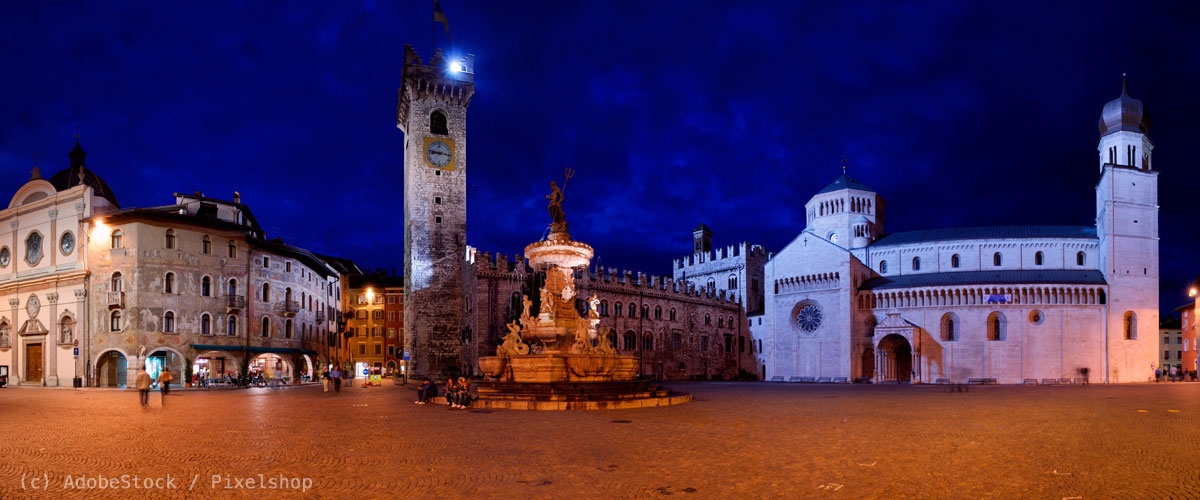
843 164
1124 84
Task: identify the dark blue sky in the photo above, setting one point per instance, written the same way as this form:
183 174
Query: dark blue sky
671 113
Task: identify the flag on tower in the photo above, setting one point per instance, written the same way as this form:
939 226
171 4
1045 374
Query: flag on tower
440 17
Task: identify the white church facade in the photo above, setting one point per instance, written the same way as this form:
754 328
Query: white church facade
844 300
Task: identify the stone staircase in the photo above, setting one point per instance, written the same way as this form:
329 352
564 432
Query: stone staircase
575 395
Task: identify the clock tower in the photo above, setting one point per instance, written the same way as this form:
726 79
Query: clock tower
432 113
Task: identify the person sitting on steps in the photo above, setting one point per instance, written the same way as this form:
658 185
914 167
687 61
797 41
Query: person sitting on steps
427 391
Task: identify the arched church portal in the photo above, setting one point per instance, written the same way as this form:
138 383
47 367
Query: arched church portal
895 359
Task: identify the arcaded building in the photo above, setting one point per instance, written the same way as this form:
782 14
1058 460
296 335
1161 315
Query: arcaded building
1015 303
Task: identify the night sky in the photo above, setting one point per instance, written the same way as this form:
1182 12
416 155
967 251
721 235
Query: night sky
671 113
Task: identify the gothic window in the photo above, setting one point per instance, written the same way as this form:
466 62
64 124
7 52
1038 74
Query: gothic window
996 260
1130 326
169 283
205 324
168 322
206 286
206 245
720 322
657 312
116 282
648 342
672 314
232 249
712 285
632 310
645 311
170 243
733 282
116 238
883 267
949 327
603 308
707 319
114 321
266 292
629 341
1079 259
437 123
287 329
916 266
996 325
617 309
266 327
231 326
678 341
232 287
954 260
1037 259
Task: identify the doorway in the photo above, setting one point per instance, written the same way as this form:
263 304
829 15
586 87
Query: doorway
33 362
112 370
896 356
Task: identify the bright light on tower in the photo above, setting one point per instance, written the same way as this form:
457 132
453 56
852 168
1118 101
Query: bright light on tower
370 295
1192 292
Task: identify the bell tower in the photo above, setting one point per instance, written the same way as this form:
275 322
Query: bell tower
432 113
1127 230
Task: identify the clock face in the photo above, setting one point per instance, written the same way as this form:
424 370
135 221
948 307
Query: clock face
438 154
809 318
68 243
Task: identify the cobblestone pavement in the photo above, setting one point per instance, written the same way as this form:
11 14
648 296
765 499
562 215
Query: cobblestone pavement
736 440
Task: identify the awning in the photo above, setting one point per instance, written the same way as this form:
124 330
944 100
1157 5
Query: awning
254 349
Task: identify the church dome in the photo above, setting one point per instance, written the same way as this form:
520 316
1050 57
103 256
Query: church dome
71 177
1124 113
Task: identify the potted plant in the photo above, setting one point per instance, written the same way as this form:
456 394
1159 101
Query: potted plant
187 371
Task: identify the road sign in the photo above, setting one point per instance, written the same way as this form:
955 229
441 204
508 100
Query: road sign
76 351
406 353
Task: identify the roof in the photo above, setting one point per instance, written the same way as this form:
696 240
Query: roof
702 227
986 233
1185 307
1056 276
376 281
845 182
69 177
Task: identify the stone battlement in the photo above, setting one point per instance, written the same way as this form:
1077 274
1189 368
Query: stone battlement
734 254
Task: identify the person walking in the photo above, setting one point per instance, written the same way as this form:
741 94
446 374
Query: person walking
337 380
325 380
164 383
143 386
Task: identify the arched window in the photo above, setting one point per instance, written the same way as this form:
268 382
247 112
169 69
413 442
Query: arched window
949 327
916 264
266 327
287 329
1037 259
206 286
114 321
116 238
647 342
617 309
1130 326
996 325
733 282
205 324
170 243
169 283
231 326
1100 295
168 322
232 249
712 285
657 312
672 314
954 260
645 310
117 282
603 308
996 260
232 287
632 310
266 292
707 319
883 267
1079 259
720 322
287 294
206 245
437 123
629 341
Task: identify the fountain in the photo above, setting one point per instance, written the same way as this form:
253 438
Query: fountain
556 358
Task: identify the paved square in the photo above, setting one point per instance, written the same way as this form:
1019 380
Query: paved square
736 440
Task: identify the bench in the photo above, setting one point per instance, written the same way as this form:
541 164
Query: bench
840 380
1049 381
1030 381
795 379
777 378
942 380
808 379
825 380
1080 380
982 381
1064 381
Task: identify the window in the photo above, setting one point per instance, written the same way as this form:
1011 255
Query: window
832 236
437 219
362 349
1037 259
647 342
437 200
168 322
733 282
632 310
206 245
645 311
437 123
170 243
704 342
657 312
996 260
391 316
1079 259
266 292
232 287
232 249
1100 297
116 238
720 322
630 341
378 314
362 314
287 267
604 308
729 343
1130 326
206 287
916 266
231 327
116 282
266 327
949 327
707 319
205 324
287 329
678 341
391 350
617 309
169 283
267 262
391 299
378 349
883 267
954 260
996 326
114 321
1166 354
391 333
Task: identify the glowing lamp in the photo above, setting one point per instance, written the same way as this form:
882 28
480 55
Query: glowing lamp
370 295
1192 292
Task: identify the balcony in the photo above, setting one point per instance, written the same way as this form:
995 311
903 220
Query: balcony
235 303
320 317
289 307
116 300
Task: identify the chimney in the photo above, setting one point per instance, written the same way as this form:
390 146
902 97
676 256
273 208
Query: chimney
237 197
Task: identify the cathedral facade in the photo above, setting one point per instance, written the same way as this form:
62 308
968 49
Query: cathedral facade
1011 304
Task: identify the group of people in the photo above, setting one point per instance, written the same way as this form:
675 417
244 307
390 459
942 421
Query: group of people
1170 373
333 378
458 392
144 383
